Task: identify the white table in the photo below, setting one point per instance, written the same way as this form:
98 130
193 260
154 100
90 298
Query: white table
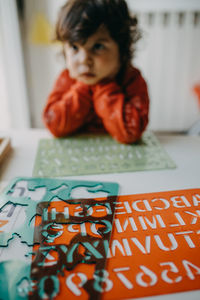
184 150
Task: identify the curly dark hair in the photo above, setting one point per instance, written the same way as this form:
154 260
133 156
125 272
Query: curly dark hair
79 19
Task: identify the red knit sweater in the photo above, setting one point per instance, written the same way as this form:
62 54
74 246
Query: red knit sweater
121 109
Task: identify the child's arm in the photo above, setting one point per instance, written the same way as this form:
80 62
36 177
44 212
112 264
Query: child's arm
68 106
124 110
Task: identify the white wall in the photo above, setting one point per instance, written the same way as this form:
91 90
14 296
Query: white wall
5 121
14 101
43 59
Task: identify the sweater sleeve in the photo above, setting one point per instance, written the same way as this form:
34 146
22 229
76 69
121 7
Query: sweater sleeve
123 109
68 106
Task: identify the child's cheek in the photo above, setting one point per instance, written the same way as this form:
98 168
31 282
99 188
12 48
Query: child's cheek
72 73
72 67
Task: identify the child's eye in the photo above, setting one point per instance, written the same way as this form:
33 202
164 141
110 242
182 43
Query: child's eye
98 47
74 47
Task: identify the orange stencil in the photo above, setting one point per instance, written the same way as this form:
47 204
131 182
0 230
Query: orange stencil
154 248
155 245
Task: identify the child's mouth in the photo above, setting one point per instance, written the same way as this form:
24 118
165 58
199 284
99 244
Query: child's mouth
88 75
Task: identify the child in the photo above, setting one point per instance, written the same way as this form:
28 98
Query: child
99 88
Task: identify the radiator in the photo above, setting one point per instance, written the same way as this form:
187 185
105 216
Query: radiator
168 55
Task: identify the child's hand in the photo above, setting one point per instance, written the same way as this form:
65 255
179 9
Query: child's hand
85 87
100 84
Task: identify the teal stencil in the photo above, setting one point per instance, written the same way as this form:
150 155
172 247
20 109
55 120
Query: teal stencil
87 154
54 188
16 281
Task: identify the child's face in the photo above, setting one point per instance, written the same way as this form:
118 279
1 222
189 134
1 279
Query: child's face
97 59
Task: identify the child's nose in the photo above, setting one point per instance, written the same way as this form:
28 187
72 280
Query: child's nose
85 57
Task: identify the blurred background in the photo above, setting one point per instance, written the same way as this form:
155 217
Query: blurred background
168 56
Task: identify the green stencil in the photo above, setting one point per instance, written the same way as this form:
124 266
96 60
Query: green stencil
87 154
26 193
17 277
15 280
